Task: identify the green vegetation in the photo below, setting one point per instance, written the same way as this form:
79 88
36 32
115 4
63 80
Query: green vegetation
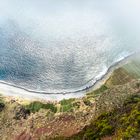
101 89
36 106
66 108
97 129
100 128
125 120
130 120
66 102
97 92
122 123
67 105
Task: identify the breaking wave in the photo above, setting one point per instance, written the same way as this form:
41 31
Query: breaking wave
66 48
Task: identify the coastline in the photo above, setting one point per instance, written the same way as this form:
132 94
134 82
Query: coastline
7 89
67 117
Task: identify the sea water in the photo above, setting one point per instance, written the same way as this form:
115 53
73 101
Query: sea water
53 46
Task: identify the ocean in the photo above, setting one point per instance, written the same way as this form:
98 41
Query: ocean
64 47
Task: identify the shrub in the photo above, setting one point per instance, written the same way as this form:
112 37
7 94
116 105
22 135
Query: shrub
2 105
66 108
67 105
129 133
36 106
101 89
87 102
66 102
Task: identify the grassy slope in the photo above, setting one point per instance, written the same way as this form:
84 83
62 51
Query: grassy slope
133 68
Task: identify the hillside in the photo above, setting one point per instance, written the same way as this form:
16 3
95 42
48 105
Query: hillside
98 115
121 123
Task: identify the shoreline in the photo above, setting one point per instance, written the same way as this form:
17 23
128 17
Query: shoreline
7 89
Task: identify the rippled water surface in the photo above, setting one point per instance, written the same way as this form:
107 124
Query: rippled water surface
63 46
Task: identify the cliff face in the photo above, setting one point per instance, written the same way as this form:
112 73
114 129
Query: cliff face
121 123
98 115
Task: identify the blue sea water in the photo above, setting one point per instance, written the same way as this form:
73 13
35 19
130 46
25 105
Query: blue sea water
61 47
